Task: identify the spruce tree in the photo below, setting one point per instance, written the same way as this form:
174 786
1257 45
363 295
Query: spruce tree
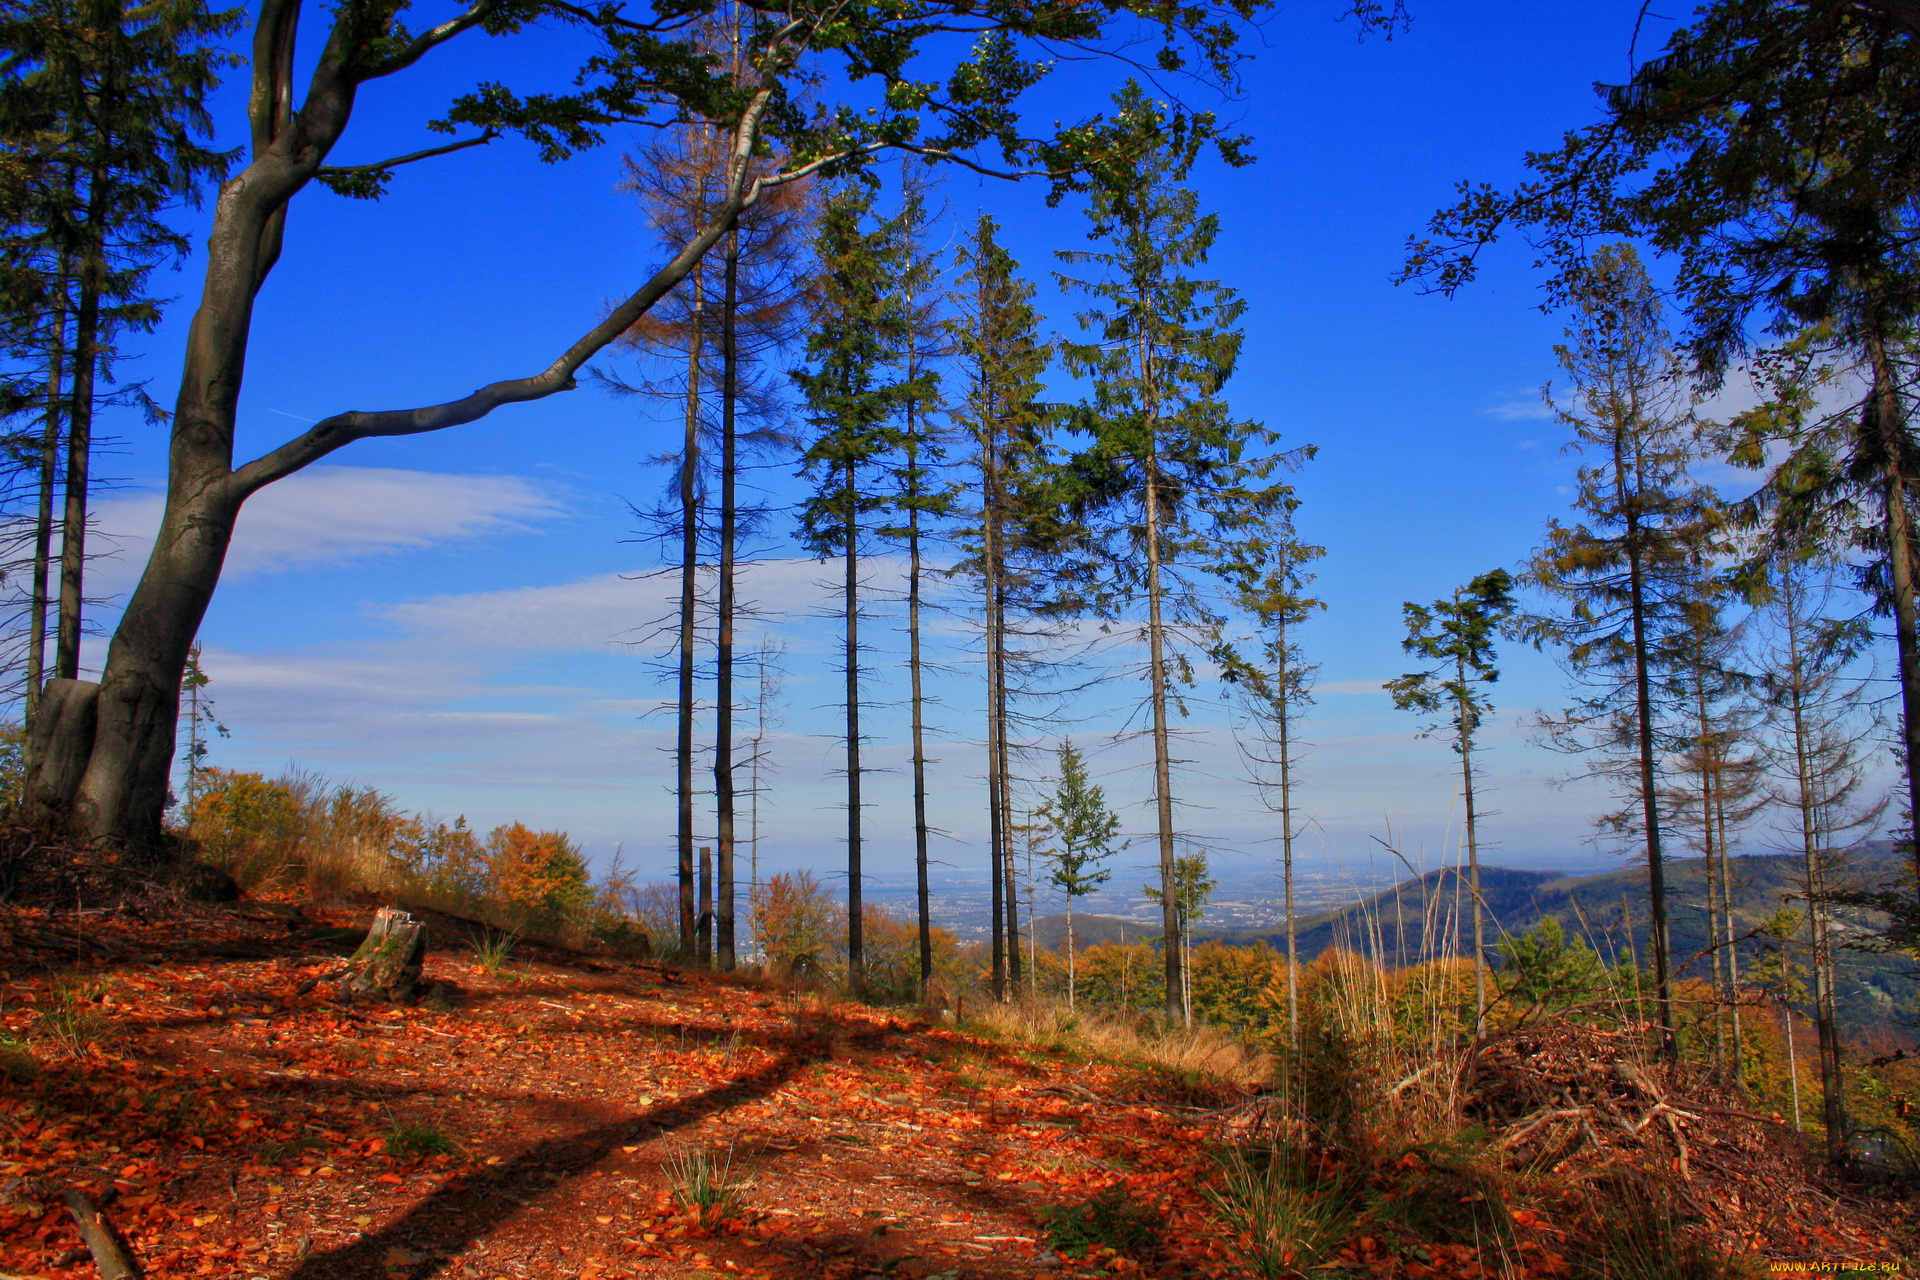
1819 776
1086 828
1168 473
920 493
1769 148
1276 688
1014 520
1458 635
1625 570
852 398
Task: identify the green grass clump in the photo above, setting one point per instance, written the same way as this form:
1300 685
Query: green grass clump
1281 1217
1111 1219
705 1184
493 950
73 1021
410 1141
17 1064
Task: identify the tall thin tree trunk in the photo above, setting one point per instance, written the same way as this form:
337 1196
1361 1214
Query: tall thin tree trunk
703 930
990 515
1890 423
723 790
86 363
1284 688
856 951
1467 716
1733 949
1812 844
923 901
1015 974
1793 1061
1657 939
1072 972
1162 750
1709 846
689 568
50 434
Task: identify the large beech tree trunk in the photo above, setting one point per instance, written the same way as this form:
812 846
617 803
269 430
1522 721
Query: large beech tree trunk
112 784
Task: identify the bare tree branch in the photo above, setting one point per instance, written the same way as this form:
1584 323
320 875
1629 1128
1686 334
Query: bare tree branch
339 171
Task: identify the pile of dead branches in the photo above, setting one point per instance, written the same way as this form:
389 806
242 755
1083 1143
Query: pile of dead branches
1580 1108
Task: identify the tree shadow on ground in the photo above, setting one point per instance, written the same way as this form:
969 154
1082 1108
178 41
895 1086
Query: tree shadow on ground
448 1221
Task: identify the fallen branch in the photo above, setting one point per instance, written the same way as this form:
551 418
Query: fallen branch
98 1236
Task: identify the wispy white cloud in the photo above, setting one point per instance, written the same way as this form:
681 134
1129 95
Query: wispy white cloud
329 516
1350 686
1519 406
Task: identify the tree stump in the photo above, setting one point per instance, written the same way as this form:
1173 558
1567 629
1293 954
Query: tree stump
387 965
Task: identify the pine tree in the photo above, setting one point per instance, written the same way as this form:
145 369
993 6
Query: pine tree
852 400
200 719
1187 903
1015 524
1820 778
1769 149
1086 829
1166 468
718 334
1715 777
1627 568
1458 634
1276 689
920 494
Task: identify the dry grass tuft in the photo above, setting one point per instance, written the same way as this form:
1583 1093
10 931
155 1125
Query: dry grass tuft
1193 1054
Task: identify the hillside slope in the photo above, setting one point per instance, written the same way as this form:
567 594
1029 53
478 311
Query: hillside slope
199 1078
1610 910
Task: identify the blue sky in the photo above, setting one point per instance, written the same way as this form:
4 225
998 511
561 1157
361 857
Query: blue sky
451 617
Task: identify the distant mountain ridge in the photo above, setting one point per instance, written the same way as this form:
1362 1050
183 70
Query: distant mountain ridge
1610 910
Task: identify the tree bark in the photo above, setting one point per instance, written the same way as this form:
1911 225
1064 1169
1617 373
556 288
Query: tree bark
1467 714
1283 688
1003 765
1812 845
856 948
1628 501
1071 971
1162 753
990 516
41 600
922 892
387 965
687 637
109 1257
86 365
1889 423
123 772
723 789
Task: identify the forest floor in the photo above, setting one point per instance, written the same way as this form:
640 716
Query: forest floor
234 1119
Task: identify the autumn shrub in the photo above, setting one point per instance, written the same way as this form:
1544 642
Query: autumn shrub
296 832
250 826
892 952
797 924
